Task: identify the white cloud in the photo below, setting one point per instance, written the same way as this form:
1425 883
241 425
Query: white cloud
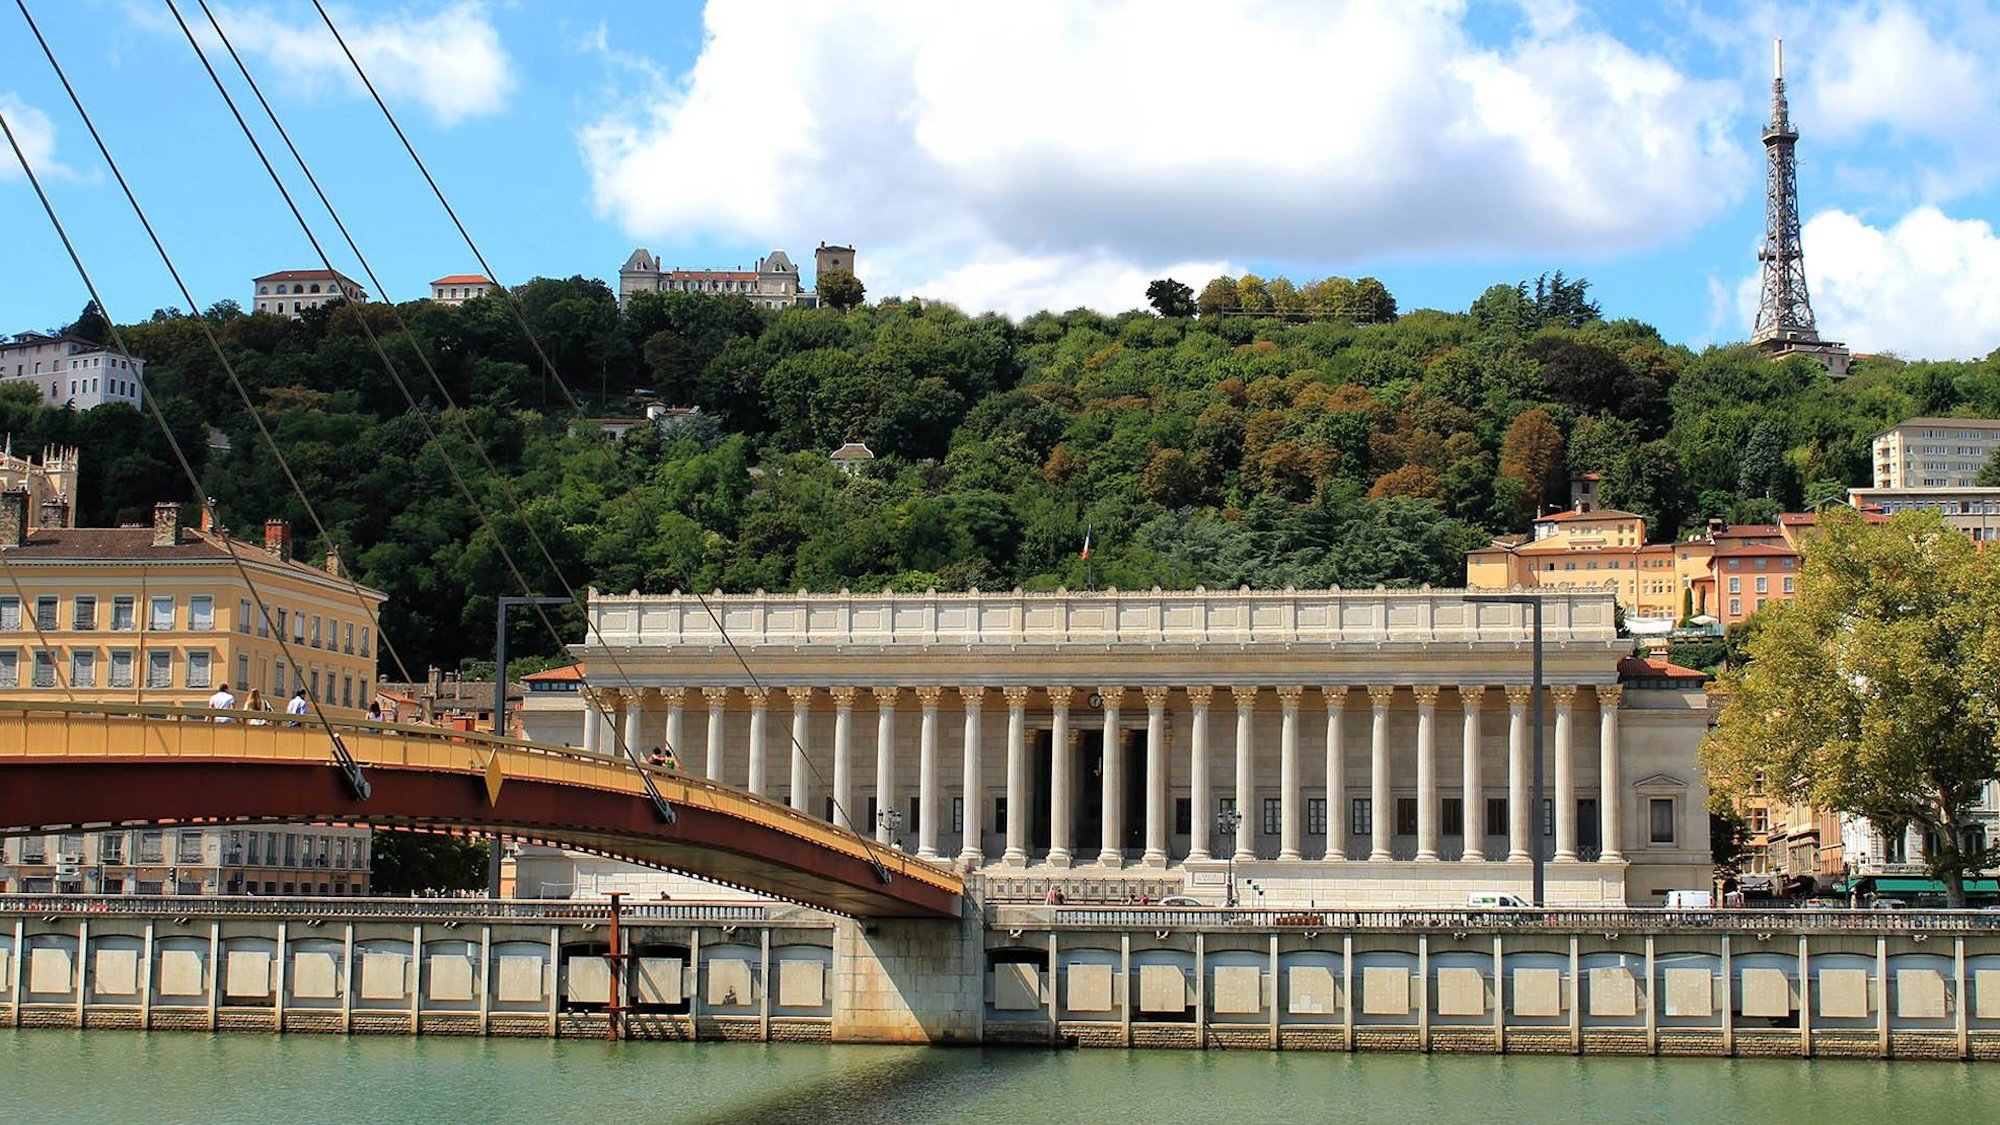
37 137
1076 145
1883 65
1927 287
450 61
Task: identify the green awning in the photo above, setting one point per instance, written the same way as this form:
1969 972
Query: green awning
1933 886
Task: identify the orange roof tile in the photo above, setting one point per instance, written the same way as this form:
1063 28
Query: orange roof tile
556 675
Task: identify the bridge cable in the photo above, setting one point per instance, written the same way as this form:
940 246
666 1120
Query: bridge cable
659 802
357 784
513 304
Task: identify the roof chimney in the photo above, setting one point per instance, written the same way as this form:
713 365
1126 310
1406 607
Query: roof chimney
13 518
278 539
55 512
436 681
333 562
208 514
166 524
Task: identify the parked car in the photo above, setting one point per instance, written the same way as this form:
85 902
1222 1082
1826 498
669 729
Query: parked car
1889 904
1181 900
1504 900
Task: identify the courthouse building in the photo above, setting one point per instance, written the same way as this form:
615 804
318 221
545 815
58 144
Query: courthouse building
1376 744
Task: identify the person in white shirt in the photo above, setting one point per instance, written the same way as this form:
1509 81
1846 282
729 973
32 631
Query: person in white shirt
222 701
297 706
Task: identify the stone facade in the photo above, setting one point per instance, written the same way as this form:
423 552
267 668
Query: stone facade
972 729
70 371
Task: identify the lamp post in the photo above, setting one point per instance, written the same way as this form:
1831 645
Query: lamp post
1534 604
500 714
891 819
1226 822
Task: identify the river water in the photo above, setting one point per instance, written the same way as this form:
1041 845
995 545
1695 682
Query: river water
104 1076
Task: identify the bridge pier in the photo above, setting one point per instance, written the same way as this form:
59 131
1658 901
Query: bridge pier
909 980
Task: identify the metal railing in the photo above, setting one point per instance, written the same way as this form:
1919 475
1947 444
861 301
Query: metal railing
1612 920
371 909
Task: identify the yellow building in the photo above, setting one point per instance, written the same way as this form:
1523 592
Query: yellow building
161 614
1597 549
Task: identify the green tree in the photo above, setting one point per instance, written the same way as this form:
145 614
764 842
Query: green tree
90 325
1877 692
840 289
1989 473
1218 297
412 863
1532 453
1171 298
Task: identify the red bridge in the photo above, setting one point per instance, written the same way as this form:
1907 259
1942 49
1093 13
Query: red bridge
95 765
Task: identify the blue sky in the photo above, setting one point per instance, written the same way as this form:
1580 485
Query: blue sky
1032 154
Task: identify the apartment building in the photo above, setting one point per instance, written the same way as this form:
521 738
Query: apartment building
1934 452
71 371
459 288
291 292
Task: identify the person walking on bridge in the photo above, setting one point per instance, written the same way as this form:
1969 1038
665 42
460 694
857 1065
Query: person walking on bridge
222 701
297 706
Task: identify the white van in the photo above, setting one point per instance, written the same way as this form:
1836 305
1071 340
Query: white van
1690 900
1496 900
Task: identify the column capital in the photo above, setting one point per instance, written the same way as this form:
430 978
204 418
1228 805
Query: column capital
972 695
716 696
1608 695
1060 696
1471 696
758 696
1200 694
1427 695
843 697
1381 694
885 697
1016 696
1335 696
800 696
1564 694
1245 696
1111 695
1520 695
929 694
1155 694
672 696
1290 694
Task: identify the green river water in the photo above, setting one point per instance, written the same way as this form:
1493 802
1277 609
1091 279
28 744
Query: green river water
101 1076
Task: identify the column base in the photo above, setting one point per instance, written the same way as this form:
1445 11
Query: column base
1061 857
1380 856
1473 857
1197 857
1013 857
972 860
1563 857
1289 856
928 854
1113 860
1611 857
1154 859
1427 857
1520 857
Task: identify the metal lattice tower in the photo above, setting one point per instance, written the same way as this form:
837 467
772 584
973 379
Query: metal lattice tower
1784 311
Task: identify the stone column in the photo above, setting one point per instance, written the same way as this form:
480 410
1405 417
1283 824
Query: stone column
1062 769
1336 771
1429 801
1610 778
843 756
801 770
718 698
1471 782
1111 848
1521 818
1246 792
635 718
971 847
1565 777
676 723
1156 776
1199 822
1381 796
885 758
1288 772
593 720
759 778
1016 854
927 772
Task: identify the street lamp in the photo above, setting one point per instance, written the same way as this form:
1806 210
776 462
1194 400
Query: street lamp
500 714
1534 604
1226 822
890 820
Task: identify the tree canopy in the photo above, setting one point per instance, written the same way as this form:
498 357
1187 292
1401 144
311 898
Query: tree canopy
1876 692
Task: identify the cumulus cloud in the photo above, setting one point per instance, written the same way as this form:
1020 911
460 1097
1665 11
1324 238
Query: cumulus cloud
37 137
450 61
1077 145
1884 65
1927 287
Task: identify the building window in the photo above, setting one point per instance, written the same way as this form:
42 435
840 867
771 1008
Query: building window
957 814
1406 816
364 641
1735 585
278 681
45 613
298 628
161 616
1316 816
10 668
121 613
242 670
1736 607
10 613
83 612
1496 816
197 668
1273 816
1548 817
1763 584
1790 586
121 667
1661 820
315 632
45 668
347 639
243 615
1183 813
1361 816
201 613
159 669
1452 814
83 668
